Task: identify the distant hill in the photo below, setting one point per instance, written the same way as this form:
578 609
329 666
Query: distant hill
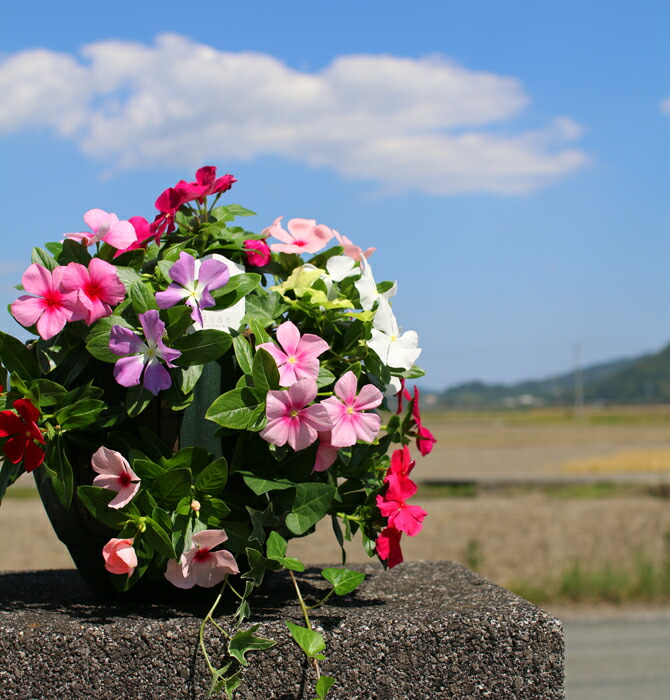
644 379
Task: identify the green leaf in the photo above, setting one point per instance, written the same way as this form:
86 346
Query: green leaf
97 500
311 503
60 470
234 409
258 566
343 580
9 473
323 685
325 378
158 538
243 353
189 377
202 346
80 414
309 641
244 642
16 357
413 373
264 373
137 399
97 341
41 257
213 478
178 321
259 332
266 308
260 486
50 392
276 546
146 469
237 288
226 683
141 297
171 487
74 251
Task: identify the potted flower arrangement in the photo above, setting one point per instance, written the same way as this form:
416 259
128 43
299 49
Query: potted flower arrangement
196 395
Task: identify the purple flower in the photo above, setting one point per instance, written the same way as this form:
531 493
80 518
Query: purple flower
212 274
143 357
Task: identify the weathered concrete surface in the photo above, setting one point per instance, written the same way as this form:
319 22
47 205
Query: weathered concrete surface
423 630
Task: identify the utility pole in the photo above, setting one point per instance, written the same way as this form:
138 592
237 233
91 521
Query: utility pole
578 382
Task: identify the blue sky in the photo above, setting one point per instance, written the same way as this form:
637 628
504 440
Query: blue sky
509 160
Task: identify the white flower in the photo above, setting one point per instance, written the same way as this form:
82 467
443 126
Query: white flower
367 289
394 349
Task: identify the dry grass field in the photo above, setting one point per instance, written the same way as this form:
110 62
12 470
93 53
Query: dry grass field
536 523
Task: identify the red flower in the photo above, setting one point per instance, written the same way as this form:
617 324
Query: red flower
388 546
402 394
424 438
22 431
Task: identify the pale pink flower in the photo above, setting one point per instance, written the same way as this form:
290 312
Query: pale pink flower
107 228
200 565
52 308
291 420
303 236
98 287
351 250
297 358
115 474
346 412
119 556
326 453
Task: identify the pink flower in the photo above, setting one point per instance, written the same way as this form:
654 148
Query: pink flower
142 357
258 253
115 474
303 236
346 412
393 505
326 454
142 234
119 556
289 420
22 431
401 463
388 546
98 287
424 438
106 227
297 358
52 308
200 565
351 250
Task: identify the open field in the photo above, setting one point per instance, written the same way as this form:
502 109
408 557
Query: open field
536 529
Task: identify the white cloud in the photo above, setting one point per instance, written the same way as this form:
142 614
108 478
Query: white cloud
426 124
665 106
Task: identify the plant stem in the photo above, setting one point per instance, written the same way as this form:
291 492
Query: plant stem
306 616
208 618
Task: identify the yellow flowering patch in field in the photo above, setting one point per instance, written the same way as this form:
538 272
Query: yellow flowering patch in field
628 461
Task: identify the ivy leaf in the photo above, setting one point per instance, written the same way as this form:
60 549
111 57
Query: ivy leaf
227 684
309 641
244 642
311 503
276 550
260 486
323 685
343 580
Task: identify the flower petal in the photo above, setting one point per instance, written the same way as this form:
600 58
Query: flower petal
128 370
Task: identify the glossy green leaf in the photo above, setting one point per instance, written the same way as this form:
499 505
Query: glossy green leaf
158 538
202 346
234 409
16 357
60 470
146 469
142 298
213 478
97 500
243 353
260 486
171 487
41 257
80 414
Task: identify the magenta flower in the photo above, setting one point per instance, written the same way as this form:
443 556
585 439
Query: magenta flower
206 183
200 565
258 253
98 287
346 412
351 250
291 420
168 204
106 227
143 357
115 474
212 274
393 505
53 306
119 556
401 463
142 235
303 236
388 546
424 438
297 358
